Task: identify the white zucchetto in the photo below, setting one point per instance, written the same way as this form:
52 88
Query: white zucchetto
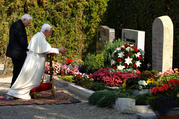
45 27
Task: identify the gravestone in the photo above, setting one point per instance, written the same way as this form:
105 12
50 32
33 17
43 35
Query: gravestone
135 37
162 44
105 35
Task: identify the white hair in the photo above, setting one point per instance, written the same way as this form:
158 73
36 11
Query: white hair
45 27
26 16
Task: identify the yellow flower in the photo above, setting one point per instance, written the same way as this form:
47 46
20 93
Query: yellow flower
152 81
124 84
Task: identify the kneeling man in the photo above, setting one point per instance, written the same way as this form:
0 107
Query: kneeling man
33 68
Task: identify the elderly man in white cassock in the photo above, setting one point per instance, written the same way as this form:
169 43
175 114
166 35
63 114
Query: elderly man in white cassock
33 68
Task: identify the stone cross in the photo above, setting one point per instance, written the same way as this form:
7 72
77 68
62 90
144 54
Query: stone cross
162 44
135 37
105 35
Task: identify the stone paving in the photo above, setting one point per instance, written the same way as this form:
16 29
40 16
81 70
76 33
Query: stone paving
64 111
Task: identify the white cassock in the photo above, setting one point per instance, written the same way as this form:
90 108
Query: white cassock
33 68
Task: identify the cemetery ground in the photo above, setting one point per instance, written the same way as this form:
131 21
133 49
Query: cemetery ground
80 110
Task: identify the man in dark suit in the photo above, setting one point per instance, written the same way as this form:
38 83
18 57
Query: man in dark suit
17 47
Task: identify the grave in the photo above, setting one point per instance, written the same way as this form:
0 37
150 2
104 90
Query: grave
135 37
104 35
162 44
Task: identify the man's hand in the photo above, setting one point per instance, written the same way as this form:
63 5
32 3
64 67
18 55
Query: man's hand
62 50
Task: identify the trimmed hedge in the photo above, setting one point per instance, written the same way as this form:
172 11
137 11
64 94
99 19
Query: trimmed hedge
74 22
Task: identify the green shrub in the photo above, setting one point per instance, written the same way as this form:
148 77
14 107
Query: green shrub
109 49
98 86
142 99
93 62
104 98
74 22
85 83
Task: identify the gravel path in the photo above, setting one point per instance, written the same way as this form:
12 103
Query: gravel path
64 111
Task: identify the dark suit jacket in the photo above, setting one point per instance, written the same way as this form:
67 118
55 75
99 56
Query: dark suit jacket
18 43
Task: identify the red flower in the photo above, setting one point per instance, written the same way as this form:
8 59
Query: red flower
134 65
139 57
63 72
135 48
119 59
127 55
173 82
161 89
126 65
122 49
69 61
126 45
90 76
166 87
79 75
155 90
114 67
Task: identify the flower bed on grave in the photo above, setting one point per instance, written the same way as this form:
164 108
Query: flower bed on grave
126 56
165 97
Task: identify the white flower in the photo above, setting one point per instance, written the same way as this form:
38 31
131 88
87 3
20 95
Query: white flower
118 49
128 60
138 63
113 62
138 54
123 46
121 54
85 75
142 82
128 49
131 45
120 67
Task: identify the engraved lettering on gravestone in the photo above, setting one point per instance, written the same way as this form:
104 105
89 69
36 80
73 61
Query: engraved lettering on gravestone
135 37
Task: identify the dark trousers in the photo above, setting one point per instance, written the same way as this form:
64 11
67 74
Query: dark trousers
17 66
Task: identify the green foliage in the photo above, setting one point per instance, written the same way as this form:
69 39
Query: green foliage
93 62
98 86
153 72
67 78
104 98
85 83
165 78
142 99
109 49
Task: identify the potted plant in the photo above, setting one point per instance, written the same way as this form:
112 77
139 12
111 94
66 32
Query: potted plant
165 97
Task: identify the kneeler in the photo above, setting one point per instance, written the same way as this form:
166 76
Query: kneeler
45 86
